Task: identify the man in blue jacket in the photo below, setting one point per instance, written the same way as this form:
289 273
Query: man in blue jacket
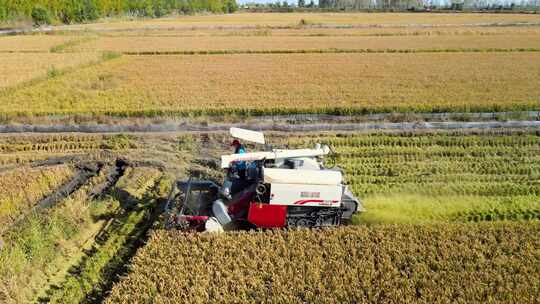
240 166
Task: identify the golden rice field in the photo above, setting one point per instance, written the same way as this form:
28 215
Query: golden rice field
452 216
255 43
473 69
293 19
17 68
461 263
284 83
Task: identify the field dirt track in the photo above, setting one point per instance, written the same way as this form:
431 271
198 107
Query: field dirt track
283 127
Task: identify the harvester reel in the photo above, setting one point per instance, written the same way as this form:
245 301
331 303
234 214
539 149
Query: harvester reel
331 160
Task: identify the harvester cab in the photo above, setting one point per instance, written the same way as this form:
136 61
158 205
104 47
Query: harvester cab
273 189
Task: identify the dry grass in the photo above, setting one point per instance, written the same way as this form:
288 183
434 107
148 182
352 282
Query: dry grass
293 19
31 43
149 43
149 85
16 68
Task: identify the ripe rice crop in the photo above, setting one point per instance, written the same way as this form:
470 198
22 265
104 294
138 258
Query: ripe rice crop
440 176
17 68
213 43
464 263
288 83
21 189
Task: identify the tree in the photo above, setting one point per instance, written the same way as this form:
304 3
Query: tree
301 3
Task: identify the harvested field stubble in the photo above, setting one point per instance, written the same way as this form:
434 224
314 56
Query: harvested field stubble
315 19
289 83
319 32
31 43
478 263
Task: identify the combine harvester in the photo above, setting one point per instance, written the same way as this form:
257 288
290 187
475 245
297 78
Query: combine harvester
270 189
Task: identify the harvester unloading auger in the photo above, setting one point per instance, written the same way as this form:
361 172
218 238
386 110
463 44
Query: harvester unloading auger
273 189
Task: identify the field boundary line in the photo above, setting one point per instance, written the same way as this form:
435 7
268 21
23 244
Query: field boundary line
24 51
332 51
61 48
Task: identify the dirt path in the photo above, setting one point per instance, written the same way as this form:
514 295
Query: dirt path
12 130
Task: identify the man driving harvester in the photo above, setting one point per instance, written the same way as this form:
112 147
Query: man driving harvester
240 166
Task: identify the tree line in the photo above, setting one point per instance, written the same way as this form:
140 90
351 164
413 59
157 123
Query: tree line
75 11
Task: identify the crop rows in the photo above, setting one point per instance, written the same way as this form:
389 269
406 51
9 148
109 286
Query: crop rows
464 263
444 176
22 150
283 43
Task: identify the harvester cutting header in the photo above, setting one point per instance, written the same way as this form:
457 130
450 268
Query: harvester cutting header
267 189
